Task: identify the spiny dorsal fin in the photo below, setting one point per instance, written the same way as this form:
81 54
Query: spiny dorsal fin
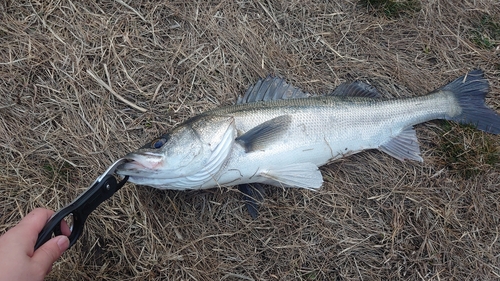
271 88
403 146
356 89
259 137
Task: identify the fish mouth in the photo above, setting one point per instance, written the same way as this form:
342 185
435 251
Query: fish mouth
142 164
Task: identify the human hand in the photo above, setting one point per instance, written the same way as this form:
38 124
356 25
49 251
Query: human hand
18 258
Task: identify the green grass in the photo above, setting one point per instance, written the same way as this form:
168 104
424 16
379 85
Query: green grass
63 171
148 124
392 8
312 275
486 33
467 151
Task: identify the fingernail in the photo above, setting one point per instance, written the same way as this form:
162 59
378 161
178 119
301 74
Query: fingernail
63 243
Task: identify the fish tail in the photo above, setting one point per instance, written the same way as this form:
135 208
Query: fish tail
470 91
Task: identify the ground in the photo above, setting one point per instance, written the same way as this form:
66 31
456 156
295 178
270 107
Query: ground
84 82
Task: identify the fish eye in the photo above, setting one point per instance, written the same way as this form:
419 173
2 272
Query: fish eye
157 143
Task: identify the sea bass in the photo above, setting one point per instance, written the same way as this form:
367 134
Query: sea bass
279 135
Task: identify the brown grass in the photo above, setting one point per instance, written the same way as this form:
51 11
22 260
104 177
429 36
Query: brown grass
374 219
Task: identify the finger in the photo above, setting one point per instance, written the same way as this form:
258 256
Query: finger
49 252
65 228
30 226
35 220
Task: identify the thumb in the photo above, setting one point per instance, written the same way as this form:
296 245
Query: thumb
49 252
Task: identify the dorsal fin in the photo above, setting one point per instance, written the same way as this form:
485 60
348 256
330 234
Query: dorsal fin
356 89
271 88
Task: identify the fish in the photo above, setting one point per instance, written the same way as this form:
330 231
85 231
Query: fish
279 135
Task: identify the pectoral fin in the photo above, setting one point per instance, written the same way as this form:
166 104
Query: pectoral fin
259 137
302 175
403 146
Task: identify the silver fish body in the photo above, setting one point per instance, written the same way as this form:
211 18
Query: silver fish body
278 135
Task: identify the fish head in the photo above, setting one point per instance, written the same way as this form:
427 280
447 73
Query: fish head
181 156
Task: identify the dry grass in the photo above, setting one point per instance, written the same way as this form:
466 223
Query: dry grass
374 219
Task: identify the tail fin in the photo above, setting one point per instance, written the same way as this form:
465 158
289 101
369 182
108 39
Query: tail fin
470 91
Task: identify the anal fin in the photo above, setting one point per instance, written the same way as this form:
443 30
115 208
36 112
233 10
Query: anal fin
302 175
403 146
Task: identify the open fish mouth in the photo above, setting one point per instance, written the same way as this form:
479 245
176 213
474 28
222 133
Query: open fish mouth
140 164
131 165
